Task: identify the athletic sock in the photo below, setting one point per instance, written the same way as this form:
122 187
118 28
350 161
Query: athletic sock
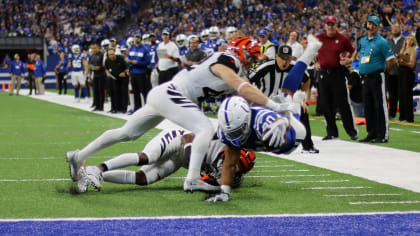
84 92
120 176
194 168
76 92
123 160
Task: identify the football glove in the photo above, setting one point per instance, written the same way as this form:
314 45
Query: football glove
220 197
275 132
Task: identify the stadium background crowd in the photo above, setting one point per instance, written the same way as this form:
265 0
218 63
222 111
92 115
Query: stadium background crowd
65 23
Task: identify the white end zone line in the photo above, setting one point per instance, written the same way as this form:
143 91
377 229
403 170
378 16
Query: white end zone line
213 216
363 195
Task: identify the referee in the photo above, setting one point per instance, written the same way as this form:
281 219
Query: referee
332 86
375 53
269 78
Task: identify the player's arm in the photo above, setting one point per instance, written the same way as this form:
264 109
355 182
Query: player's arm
232 156
85 66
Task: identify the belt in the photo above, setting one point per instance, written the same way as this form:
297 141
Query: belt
371 74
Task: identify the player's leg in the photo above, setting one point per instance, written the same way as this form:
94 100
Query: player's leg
75 83
294 77
81 80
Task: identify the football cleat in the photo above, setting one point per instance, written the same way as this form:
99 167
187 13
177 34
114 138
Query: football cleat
220 197
83 183
199 185
94 175
74 165
313 43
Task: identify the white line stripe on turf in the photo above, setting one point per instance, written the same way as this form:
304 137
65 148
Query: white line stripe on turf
395 129
280 176
416 132
303 170
32 180
214 216
316 181
339 187
363 195
274 166
385 202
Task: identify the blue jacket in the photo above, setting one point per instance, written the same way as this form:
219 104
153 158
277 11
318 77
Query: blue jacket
17 67
142 56
40 69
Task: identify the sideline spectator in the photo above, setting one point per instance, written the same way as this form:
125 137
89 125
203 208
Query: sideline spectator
99 76
332 82
268 51
30 63
139 59
168 55
297 48
117 70
375 52
61 72
39 74
392 76
194 54
407 62
6 61
16 70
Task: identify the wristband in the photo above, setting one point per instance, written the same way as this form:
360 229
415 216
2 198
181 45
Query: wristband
240 86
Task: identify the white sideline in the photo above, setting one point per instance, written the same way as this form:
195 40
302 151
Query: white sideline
399 168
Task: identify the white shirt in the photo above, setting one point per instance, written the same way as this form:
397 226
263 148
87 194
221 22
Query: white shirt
270 52
171 49
297 49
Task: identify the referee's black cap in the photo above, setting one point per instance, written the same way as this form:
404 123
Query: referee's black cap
284 51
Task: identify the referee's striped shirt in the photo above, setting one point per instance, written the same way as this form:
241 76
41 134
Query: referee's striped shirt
269 78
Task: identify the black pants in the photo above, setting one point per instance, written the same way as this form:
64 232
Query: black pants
62 83
141 86
307 142
99 92
334 93
31 81
166 75
392 87
405 93
120 94
376 112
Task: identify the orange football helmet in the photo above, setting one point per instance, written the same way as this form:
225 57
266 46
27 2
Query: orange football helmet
246 49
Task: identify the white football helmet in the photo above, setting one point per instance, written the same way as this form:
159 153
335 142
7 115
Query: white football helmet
214 32
181 40
204 35
234 117
129 42
145 38
105 43
75 49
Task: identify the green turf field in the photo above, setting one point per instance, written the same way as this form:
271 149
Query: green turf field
34 179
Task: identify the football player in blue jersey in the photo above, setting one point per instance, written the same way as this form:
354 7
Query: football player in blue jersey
181 42
76 66
214 41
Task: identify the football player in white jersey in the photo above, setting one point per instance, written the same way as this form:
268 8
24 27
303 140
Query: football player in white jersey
177 101
77 65
161 157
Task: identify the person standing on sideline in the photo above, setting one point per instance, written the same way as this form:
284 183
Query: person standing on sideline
169 58
268 51
39 73
16 70
297 48
407 62
96 65
117 70
30 63
391 77
139 59
332 81
375 54
61 72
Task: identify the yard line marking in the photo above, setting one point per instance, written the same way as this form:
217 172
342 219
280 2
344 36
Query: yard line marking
316 181
279 176
209 216
362 195
339 187
385 202
396 129
32 180
274 166
416 132
303 170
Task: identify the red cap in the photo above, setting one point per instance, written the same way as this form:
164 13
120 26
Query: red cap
331 19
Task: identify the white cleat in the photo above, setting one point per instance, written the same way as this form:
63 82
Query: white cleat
74 165
199 185
83 183
94 175
313 43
